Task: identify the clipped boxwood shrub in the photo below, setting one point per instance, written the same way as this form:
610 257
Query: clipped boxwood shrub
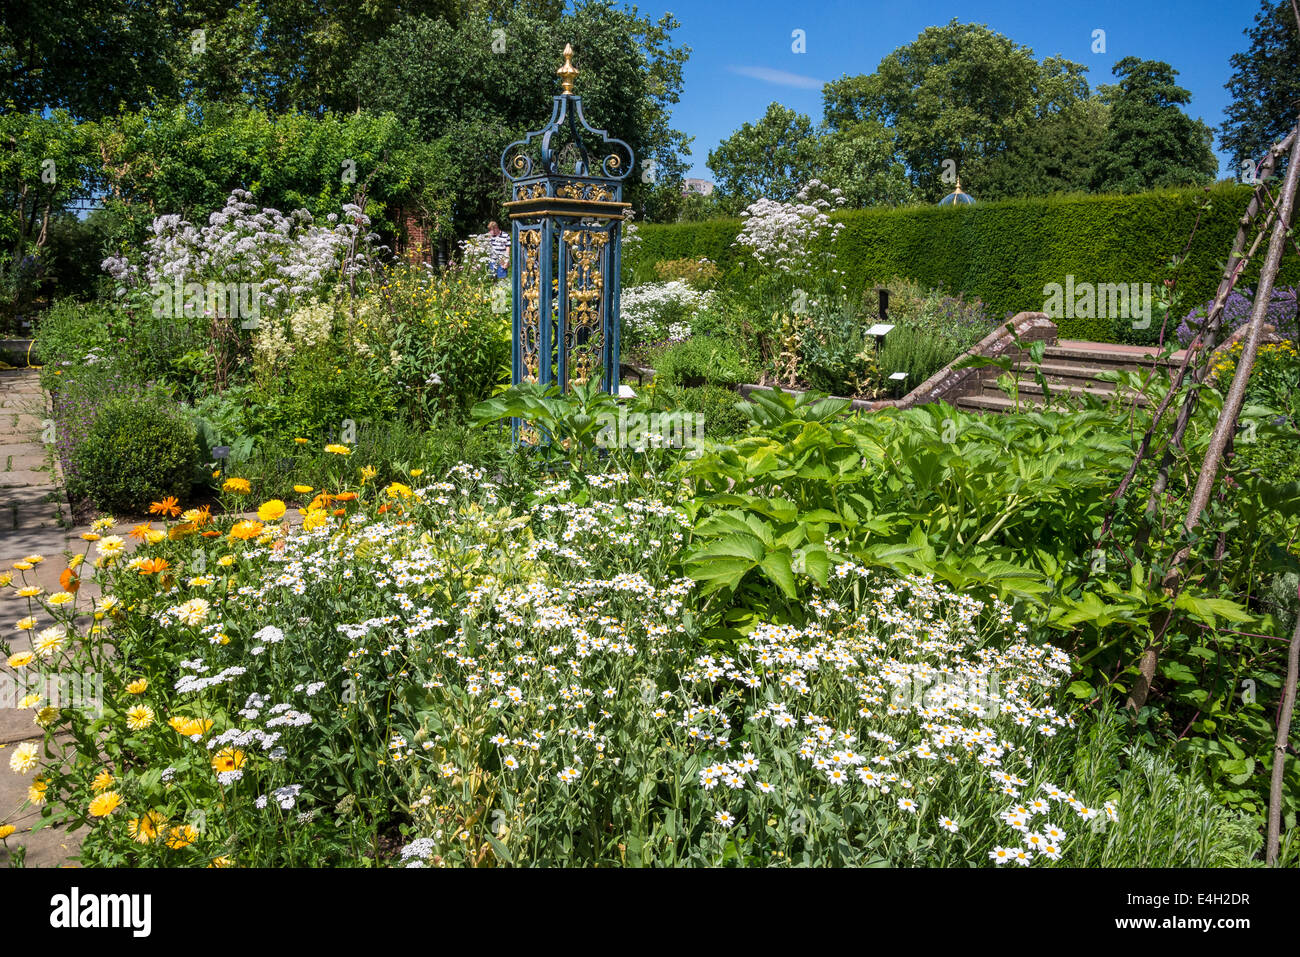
1005 252
137 452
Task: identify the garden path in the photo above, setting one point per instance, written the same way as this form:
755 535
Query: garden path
34 520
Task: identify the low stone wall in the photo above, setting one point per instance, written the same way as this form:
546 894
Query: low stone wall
951 383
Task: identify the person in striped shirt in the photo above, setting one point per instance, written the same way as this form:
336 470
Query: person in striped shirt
499 243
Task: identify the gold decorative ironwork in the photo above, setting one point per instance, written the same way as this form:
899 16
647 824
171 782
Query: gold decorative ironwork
584 338
530 287
567 73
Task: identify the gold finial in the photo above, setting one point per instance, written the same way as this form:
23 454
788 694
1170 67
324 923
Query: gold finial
568 73
958 187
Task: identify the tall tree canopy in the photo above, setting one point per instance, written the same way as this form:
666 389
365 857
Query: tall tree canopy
773 157
1150 142
1265 84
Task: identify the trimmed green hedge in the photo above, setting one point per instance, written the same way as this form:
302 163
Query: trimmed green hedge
1005 252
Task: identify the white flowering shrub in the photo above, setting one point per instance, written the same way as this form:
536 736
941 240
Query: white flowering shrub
659 310
480 682
782 236
289 258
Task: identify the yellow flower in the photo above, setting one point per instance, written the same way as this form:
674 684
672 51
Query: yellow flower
138 686
25 624
182 836
225 561
90 536
335 449
227 759
416 473
237 485
147 828
105 804
397 489
139 717
6 830
75 561
271 511
23 566
103 781
30 591
303 489
21 659
315 518
60 598
246 530
367 473
222 862
30 701
189 727
25 757
47 716
34 559
36 792
155 535
301 441
110 546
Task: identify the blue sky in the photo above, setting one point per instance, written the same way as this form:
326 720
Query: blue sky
742 60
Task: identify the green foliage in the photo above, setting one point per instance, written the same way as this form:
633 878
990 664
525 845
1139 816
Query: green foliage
773 157
720 407
66 332
137 452
318 390
703 360
1264 85
1005 252
1150 142
959 92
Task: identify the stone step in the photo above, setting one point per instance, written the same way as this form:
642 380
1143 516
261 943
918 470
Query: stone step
1102 359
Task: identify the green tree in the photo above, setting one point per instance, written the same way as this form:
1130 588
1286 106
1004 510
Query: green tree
959 93
1265 85
861 161
1054 154
773 157
1150 142
484 89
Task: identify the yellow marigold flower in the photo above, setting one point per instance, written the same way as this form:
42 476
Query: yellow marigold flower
103 781
47 716
6 830
271 511
23 566
138 686
225 561
110 546
25 624
75 561
246 530
336 449
34 559
314 519
103 524
416 473
90 536
21 659
36 792
398 490
139 717
237 485
303 489
6 579
227 759
301 441
50 640
30 701
189 727
182 836
222 862
60 598
147 828
105 804
30 591
367 473
25 757
155 535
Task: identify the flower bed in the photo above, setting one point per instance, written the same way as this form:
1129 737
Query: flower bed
477 681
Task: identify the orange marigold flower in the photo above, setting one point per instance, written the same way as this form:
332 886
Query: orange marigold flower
247 530
141 531
345 497
69 581
168 507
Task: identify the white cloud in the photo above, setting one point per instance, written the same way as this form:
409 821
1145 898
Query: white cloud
779 77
